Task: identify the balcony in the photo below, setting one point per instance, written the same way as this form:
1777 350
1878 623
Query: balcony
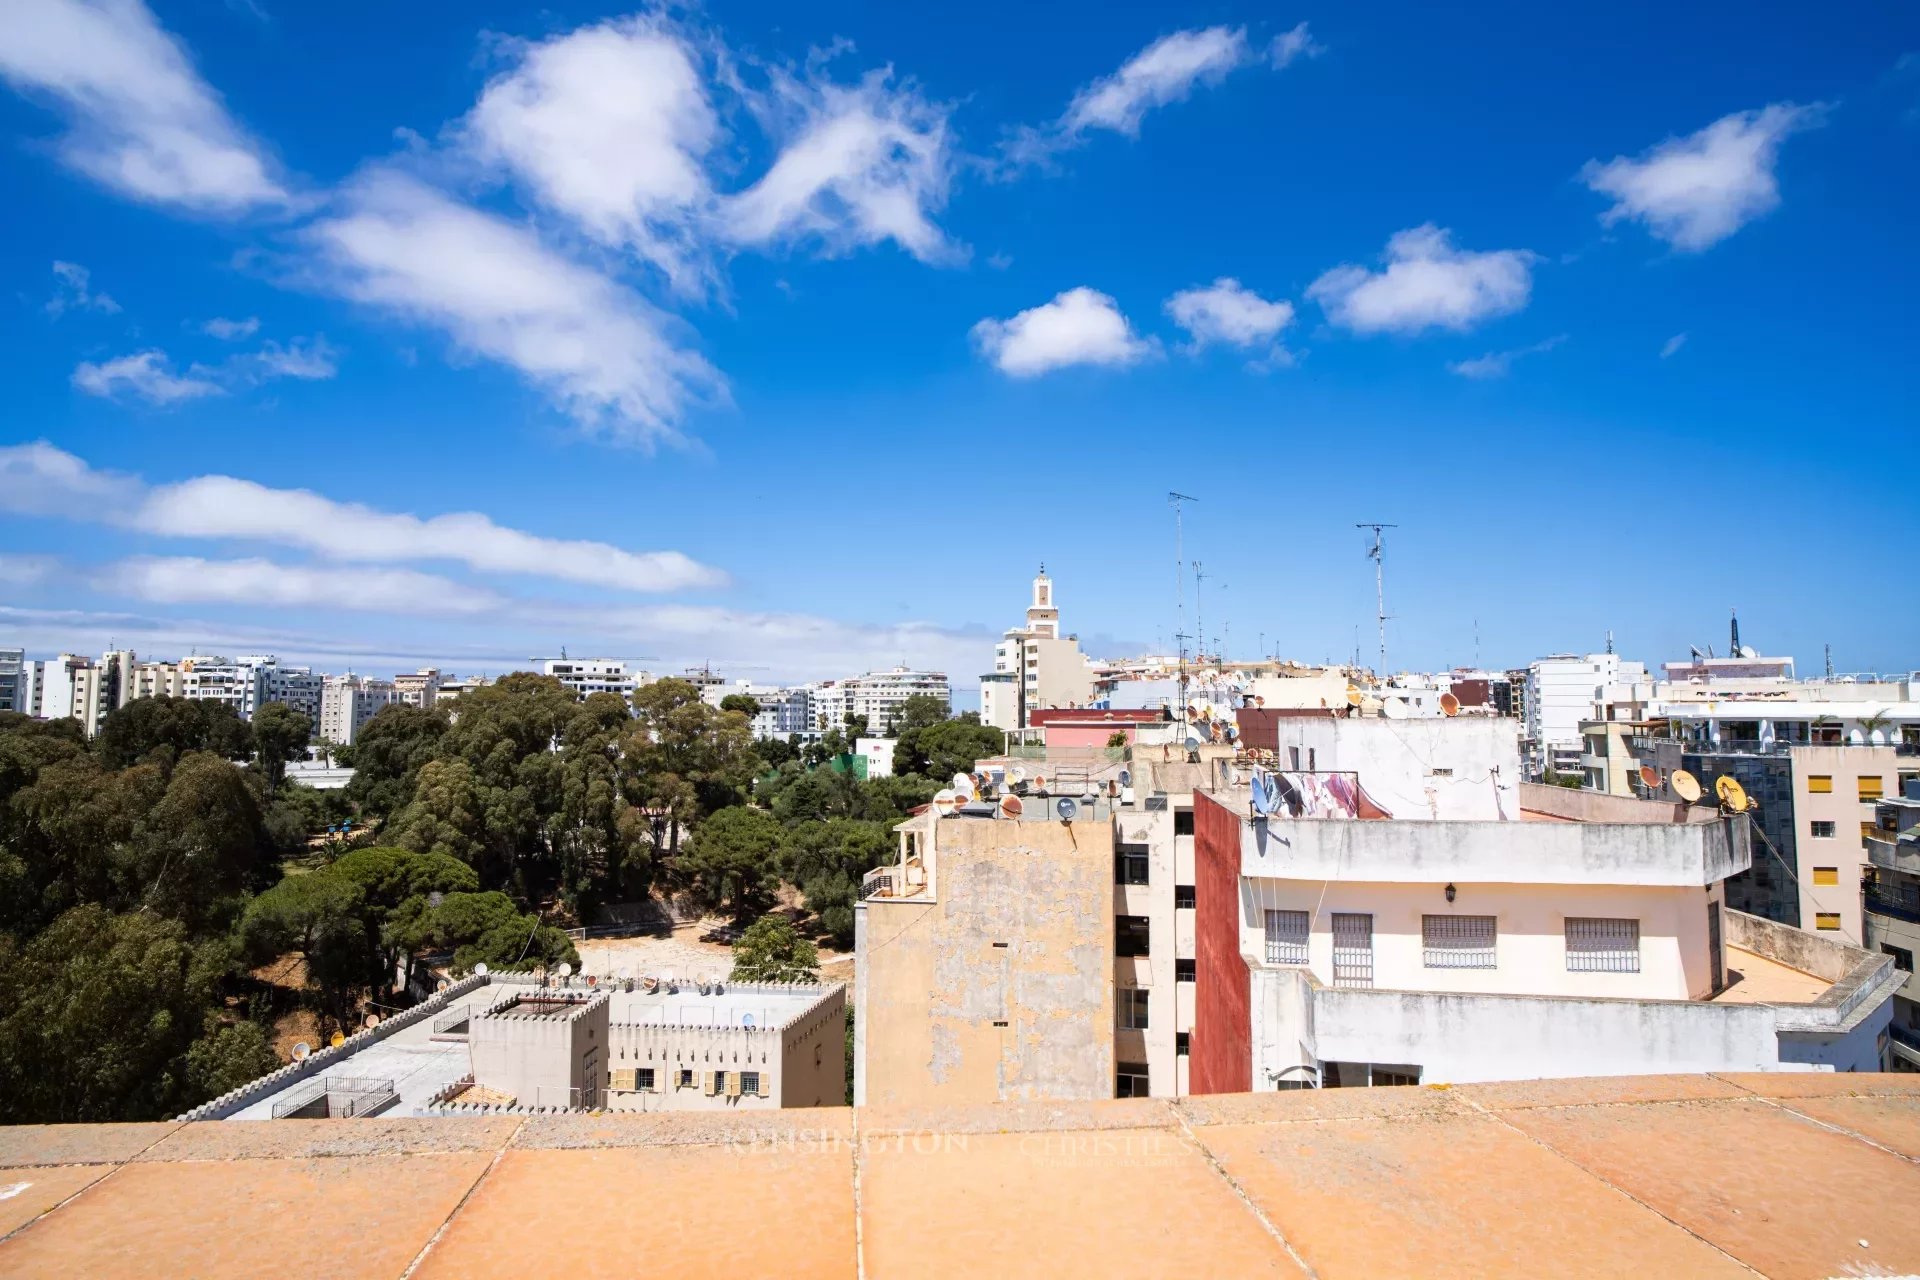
1893 855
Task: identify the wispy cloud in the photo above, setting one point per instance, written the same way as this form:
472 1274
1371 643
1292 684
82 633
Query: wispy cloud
231 330
40 479
1497 364
71 292
309 359
144 375
1289 46
264 584
1694 192
20 570
140 119
1672 345
1427 284
1080 326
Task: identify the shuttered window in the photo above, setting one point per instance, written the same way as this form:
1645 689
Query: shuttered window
1826 875
1457 942
1826 919
1820 784
1871 788
1596 945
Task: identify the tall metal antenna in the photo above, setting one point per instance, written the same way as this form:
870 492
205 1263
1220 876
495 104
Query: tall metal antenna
1199 611
1180 583
1829 649
1376 553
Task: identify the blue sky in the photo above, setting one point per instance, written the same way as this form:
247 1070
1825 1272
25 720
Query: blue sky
822 326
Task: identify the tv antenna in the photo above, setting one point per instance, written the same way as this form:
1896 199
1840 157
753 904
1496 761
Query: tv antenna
1377 554
1199 609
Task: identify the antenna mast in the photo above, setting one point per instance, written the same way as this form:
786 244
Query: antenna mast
1376 553
1180 584
1199 611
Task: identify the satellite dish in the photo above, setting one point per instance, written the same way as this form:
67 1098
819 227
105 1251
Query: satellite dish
1449 705
963 784
1126 777
1650 776
1010 806
337 1039
944 802
565 970
1067 809
1354 696
1394 709
746 1019
1684 785
441 985
1731 793
1193 743
371 1021
1018 774
626 975
1039 782
301 1050
481 969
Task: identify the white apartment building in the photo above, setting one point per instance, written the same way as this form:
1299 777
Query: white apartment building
587 676
877 695
1035 667
1561 692
418 688
347 702
16 681
783 712
74 686
249 682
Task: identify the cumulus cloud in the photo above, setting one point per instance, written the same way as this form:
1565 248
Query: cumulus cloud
1497 364
231 330
610 125
1226 312
260 583
598 349
859 165
1289 46
40 479
1080 326
1672 345
140 119
1427 283
1694 192
71 292
145 375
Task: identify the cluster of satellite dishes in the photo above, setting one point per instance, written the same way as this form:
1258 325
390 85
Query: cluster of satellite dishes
1006 795
1727 790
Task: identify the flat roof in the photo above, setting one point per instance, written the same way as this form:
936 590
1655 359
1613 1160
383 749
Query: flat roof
1787 1174
1755 979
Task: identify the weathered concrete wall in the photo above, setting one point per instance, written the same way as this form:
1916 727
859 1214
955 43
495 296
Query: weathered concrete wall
542 1061
1222 1052
1002 988
1460 768
1592 806
813 1056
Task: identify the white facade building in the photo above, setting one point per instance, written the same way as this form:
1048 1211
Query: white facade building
1561 692
783 712
1035 667
877 695
249 682
587 676
348 702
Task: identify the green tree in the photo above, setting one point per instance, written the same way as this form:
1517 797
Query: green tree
479 927
920 711
226 1057
322 917
941 750
732 860
389 752
686 759
280 734
447 814
172 726
743 703
774 752
830 896
1116 739
772 950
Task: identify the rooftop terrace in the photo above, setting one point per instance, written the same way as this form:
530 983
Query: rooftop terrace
1799 1175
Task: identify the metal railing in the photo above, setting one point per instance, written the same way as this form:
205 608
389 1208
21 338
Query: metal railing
1904 906
877 886
446 1022
339 1097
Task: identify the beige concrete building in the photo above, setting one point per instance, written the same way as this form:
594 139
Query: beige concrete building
1035 667
1835 791
348 702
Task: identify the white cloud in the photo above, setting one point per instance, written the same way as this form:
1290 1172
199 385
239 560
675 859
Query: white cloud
17 570
1672 345
1227 312
141 120
145 374
610 125
1080 326
595 347
264 584
861 164
71 292
309 359
1694 192
1497 364
39 479
231 330
1289 46
1165 71
1427 284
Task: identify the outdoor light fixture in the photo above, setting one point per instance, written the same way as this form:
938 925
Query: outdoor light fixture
1450 892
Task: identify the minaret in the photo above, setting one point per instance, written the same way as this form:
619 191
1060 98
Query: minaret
1043 620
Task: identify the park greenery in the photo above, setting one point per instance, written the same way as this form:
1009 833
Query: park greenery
168 896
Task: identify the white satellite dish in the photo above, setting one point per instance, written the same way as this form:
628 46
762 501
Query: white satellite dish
1067 808
1017 775
301 1051
441 985
963 785
1394 709
944 802
565 970
372 1020
481 969
625 974
746 1019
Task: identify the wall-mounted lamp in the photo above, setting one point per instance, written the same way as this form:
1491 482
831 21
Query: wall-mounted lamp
1450 892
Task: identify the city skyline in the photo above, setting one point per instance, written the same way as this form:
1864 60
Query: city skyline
799 352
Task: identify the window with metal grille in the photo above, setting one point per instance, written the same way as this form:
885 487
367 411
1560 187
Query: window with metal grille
1597 945
1133 1009
1130 1081
1352 949
1131 935
1458 942
1130 864
1286 937
643 1079
1183 895
1185 971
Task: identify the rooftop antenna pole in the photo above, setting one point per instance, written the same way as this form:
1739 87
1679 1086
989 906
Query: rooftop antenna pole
1199 611
1734 638
1829 649
1376 553
1179 582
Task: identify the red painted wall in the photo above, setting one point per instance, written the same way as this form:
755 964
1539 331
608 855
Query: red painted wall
1221 1054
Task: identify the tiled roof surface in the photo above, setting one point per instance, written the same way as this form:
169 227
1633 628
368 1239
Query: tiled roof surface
1789 1175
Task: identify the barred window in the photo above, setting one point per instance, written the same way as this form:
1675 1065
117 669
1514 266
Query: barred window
1352 949
1286 937
1602 946
643 1079
1458 942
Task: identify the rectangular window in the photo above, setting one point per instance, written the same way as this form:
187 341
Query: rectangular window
1602 946
1820 784
1183 822
1871 788
1391 1077
1130 1081
1183 895
1130 864
1183 1042
1286 937
686 1079
643 1079
1184 971
1826 919
1458 942
750 1083
1826 875
1133 1008
1823 831
1352 949
1131 935
1902 958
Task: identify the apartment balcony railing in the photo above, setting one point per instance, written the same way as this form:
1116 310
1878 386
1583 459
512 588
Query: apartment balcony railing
1899 906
